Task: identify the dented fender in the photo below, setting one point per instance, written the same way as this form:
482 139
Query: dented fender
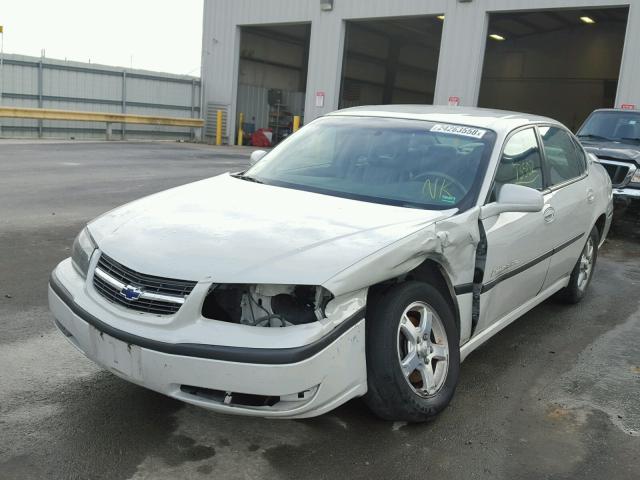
451 243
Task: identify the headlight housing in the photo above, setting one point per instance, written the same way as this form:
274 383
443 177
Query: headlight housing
83 247
636 177
266 305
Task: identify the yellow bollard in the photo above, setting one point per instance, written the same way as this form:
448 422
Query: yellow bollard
240 131
296 123
219 128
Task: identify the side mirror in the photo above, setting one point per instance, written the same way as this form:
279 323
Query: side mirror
514 198
256 157
593 157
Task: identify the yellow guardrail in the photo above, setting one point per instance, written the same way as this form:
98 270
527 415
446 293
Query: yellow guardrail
108 118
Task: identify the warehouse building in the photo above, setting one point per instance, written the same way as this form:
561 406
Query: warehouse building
270 60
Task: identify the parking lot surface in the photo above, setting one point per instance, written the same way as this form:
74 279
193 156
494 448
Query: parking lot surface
555 395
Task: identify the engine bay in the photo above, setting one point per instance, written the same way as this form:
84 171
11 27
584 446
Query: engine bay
266 305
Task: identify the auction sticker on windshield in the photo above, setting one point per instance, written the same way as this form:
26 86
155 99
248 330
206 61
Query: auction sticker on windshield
459 130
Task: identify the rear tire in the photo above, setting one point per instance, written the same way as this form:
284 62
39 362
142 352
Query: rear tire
413 353
582 273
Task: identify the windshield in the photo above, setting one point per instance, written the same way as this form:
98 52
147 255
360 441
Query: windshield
409 163
619 126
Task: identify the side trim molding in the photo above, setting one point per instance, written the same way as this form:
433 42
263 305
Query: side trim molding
488 286
468 287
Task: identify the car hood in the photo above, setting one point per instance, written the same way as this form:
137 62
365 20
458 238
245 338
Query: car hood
614 151
224 229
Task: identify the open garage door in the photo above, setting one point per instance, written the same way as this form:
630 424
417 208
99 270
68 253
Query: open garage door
272 80
390 61
558 63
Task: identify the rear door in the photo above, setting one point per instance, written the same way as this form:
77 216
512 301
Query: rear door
569 199
517 243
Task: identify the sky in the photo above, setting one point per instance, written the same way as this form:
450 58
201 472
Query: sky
160 35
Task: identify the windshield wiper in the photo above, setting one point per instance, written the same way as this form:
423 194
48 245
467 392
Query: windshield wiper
246 178
632 139
595 137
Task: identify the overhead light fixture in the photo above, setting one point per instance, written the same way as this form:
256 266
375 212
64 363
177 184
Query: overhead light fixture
587 20
497 37
440 17
326 5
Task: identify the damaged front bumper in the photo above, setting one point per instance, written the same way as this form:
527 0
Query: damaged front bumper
294 382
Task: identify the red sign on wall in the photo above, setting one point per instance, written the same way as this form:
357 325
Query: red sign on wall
454 101
628 106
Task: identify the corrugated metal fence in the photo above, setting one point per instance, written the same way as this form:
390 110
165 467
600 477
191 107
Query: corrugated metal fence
46 83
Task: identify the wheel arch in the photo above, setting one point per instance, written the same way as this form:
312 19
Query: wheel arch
600 224
430 271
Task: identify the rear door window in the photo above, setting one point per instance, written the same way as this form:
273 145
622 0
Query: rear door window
564 159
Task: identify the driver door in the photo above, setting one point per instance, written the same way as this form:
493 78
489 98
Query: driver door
517 256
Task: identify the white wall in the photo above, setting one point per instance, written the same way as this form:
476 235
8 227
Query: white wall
461 55
221 41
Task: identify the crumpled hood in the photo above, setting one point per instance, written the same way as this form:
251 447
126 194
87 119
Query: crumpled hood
614 151
228 230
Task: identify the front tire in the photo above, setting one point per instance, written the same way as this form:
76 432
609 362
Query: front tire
413 354
582 273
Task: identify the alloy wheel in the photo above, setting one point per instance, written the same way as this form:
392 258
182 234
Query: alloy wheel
423 350
586 264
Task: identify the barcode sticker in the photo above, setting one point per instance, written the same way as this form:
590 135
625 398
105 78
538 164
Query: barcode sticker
459 130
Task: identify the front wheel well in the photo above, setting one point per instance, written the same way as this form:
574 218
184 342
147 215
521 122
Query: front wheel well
430 272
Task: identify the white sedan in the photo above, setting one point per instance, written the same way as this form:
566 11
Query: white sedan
367 255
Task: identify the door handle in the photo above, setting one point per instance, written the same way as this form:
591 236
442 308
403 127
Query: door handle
549 214
591 196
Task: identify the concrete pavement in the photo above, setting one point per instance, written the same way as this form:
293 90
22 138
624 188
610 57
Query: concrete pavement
555 395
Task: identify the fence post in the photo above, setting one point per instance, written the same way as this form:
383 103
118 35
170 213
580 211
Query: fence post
109 130
123 126
40 100
193 104
296 123
240 130
219 128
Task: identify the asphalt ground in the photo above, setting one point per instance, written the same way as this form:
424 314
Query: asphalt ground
554 395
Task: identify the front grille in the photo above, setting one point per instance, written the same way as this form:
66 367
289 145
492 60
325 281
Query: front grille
617 171
174 291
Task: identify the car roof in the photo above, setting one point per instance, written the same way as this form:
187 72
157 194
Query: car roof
619 110
498 120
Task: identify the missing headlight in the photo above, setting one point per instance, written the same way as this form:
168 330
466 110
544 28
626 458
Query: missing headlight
266 305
